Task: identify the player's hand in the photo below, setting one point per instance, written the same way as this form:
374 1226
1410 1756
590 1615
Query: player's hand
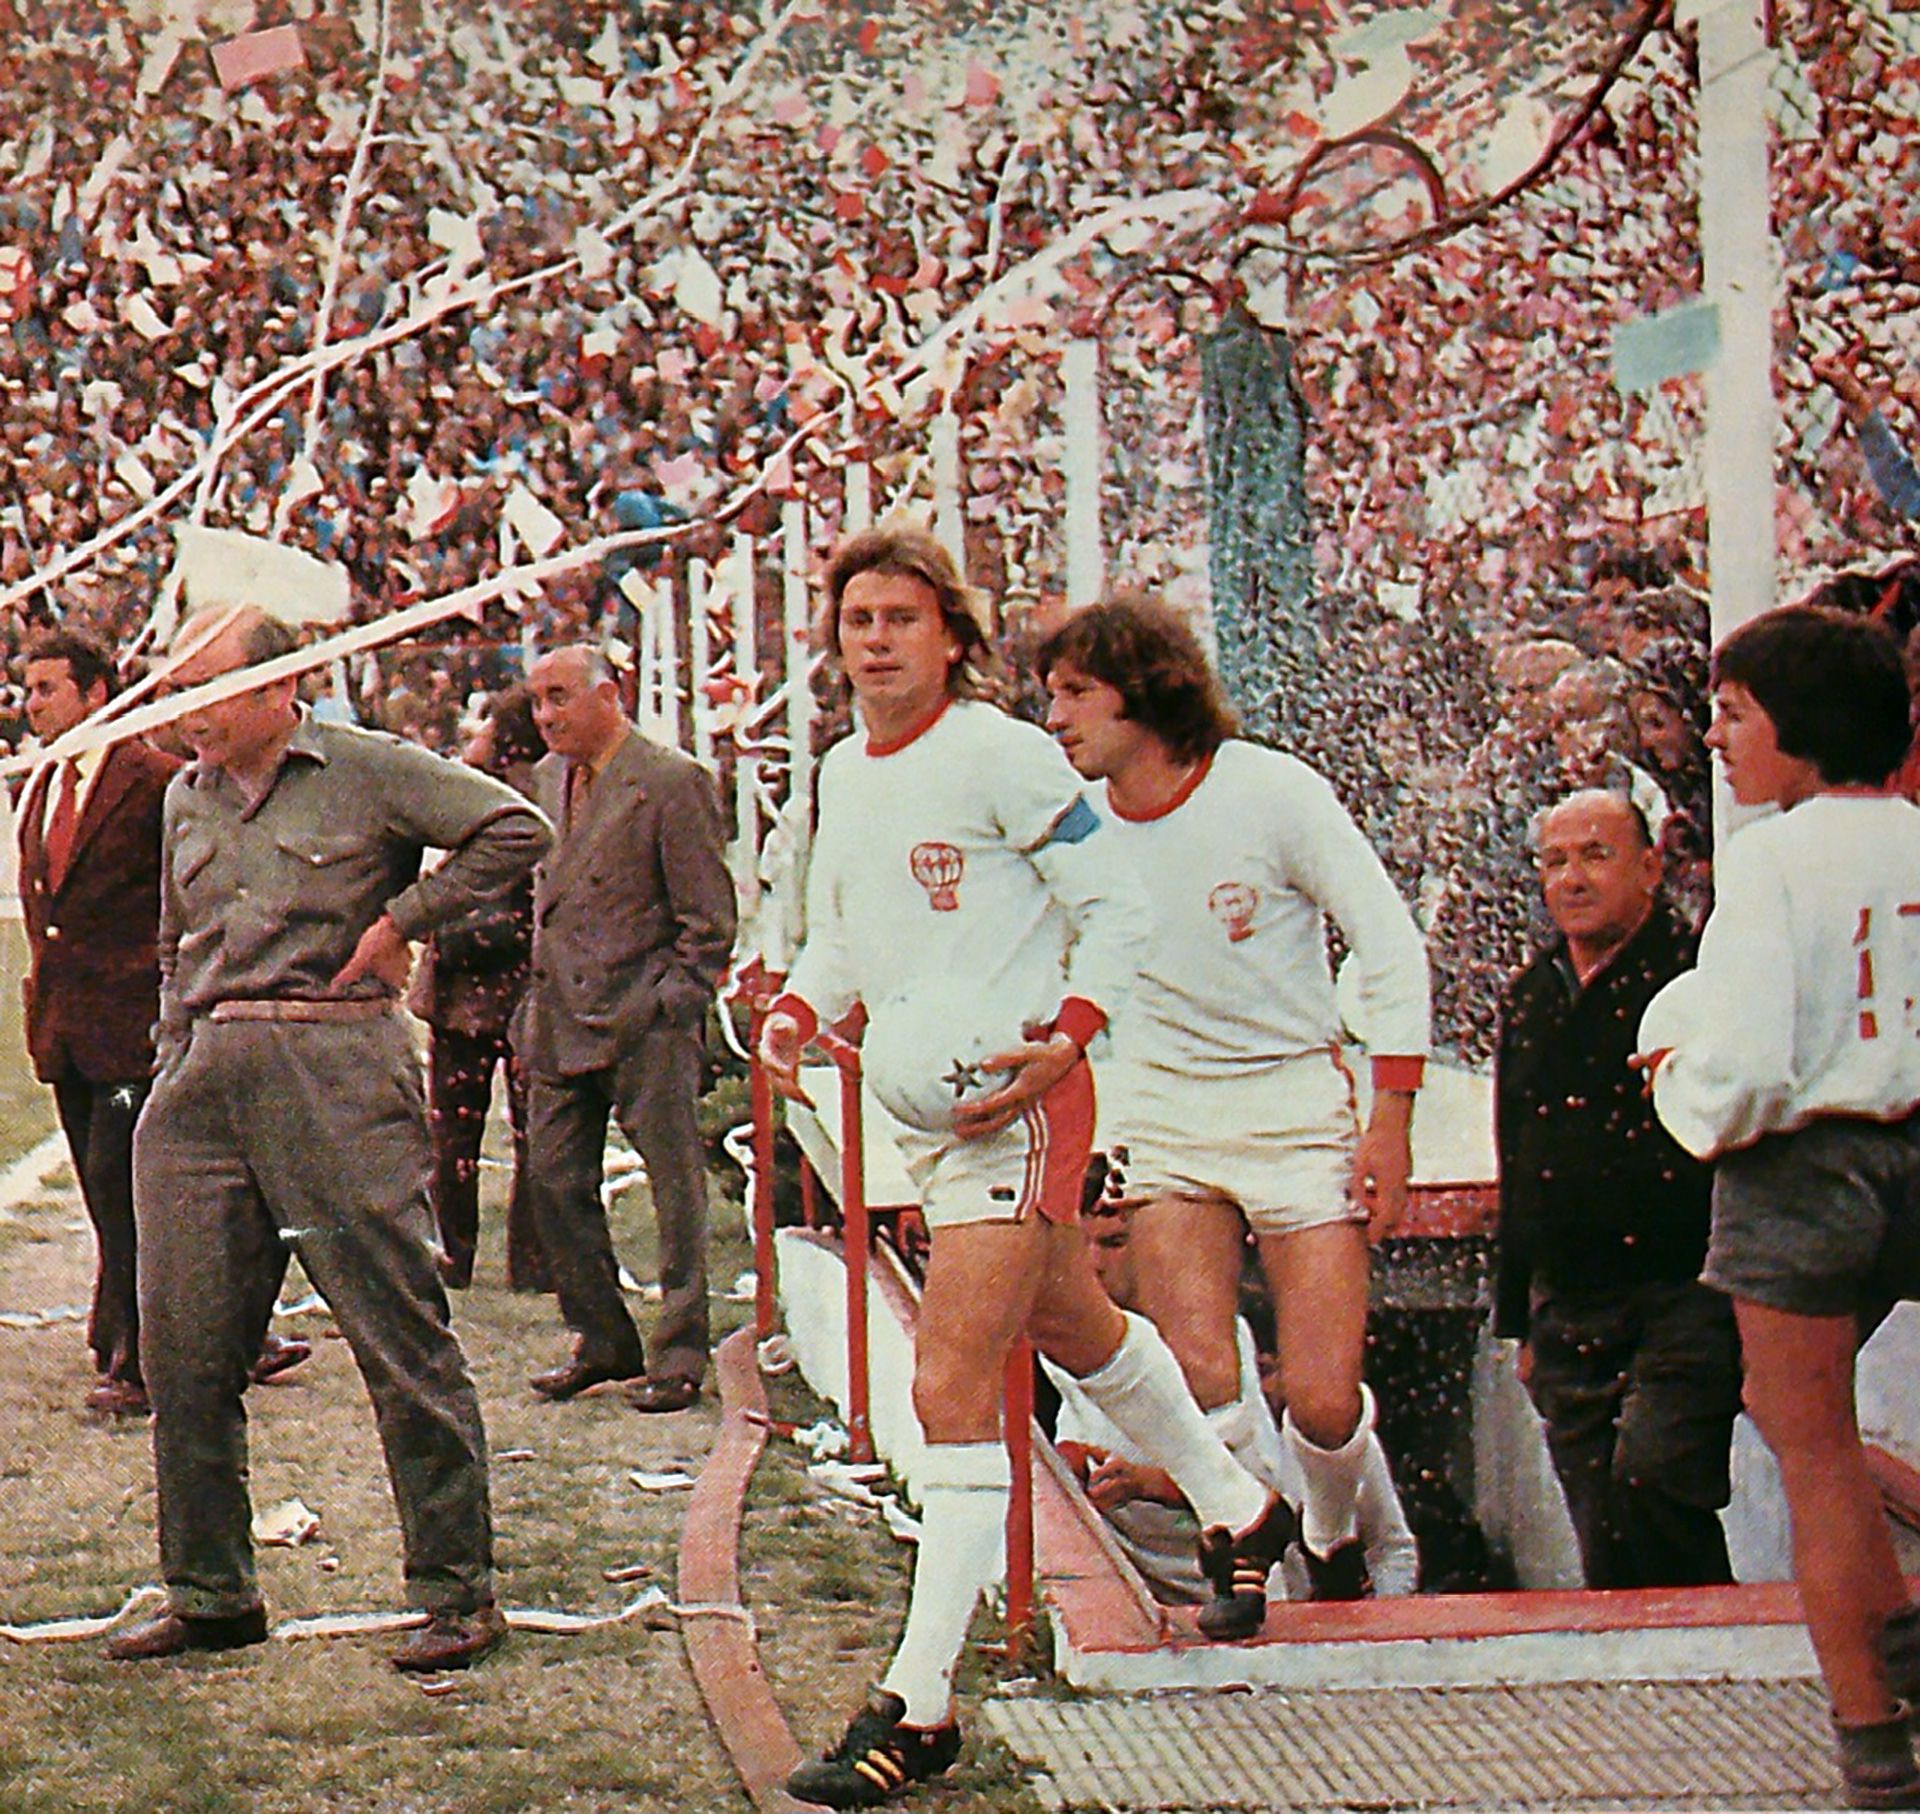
1523 1362
1383 1163
782 1042
1650 1063
1034 1068
382 953
1113 1482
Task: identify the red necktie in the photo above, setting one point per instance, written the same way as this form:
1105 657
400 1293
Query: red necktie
60 828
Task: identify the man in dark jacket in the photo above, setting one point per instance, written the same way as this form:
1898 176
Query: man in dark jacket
466 987
633 923
90 896
1631 1361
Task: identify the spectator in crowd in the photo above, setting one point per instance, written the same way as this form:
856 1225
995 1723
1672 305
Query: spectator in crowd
1229 1108
1790 1057
466 986
1634 1365
1667 707
89 831
286 1113
1153 1524
959 885
1889 464
633 921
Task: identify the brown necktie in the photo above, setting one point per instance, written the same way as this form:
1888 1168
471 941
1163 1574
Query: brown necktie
60 828
579 782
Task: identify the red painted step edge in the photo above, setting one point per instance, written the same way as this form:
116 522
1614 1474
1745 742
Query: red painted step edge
722 1650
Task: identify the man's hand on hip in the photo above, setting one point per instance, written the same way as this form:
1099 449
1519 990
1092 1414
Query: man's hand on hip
383 954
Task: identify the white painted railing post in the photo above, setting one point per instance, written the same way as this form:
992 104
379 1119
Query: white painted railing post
796 647
1082 456
699 657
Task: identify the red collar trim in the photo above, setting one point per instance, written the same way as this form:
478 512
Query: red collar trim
876 748
1181 795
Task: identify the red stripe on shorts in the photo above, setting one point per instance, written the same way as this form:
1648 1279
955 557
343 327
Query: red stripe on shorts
1059 1144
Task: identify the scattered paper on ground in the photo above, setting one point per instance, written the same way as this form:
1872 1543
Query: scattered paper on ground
57 1631
665 1482
287 1525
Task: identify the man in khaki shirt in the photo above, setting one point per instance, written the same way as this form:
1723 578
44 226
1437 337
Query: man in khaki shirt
288 1109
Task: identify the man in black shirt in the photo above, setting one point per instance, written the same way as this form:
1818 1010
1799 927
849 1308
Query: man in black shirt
1632 1362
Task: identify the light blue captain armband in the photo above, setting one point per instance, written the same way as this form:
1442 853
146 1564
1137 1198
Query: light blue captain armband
1073 826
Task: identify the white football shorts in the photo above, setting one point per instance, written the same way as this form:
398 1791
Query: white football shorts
1276 1143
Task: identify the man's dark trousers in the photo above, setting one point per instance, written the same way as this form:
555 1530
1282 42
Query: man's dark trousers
1639 1389
97 1119
652 1092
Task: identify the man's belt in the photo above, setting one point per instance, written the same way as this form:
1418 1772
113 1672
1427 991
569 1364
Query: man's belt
294 1008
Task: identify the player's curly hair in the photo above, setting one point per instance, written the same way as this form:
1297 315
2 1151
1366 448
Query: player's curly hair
905 548
1833 684
1135 644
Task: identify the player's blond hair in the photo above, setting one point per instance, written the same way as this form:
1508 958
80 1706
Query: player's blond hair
910 550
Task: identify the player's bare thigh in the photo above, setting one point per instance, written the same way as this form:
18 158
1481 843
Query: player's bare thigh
988 1282
1187 1255
1318 1279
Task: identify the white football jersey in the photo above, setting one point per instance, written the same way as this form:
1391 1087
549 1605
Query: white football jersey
967 853
1804 999
1242 874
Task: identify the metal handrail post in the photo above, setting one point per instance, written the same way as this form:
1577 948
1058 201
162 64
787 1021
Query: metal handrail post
853 1241
760 1095
1018 1418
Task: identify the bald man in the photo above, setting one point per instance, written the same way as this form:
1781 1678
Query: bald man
633 924
1633 1364
287 1113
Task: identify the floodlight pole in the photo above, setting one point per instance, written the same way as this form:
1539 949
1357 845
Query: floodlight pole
1737 250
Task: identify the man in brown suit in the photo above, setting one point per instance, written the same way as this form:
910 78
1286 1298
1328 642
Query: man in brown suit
633 922
89 831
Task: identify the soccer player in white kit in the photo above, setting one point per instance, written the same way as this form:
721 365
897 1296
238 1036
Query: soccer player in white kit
958 875
1227 1104
1790 1056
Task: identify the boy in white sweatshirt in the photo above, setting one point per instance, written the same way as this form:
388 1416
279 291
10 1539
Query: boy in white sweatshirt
1791 1057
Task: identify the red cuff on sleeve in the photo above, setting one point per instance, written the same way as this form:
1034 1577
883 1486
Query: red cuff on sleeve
800 1009
1080 1020
1399 1073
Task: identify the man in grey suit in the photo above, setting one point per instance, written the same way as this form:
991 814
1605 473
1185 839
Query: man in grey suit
633 922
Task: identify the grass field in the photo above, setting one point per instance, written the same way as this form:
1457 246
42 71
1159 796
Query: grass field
604 1720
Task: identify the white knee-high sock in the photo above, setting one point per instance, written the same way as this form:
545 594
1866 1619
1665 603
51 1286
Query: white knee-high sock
1234 1424
963 1524
1143 1391
1330 1512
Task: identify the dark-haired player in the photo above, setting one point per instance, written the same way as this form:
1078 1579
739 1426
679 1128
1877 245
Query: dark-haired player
1235 1110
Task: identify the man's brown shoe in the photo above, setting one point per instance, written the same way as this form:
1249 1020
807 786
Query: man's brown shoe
673 1392
278 1354
577 1376
118 1398
172 1634
451 1640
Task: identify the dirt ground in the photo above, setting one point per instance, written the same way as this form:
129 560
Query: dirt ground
602 1720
